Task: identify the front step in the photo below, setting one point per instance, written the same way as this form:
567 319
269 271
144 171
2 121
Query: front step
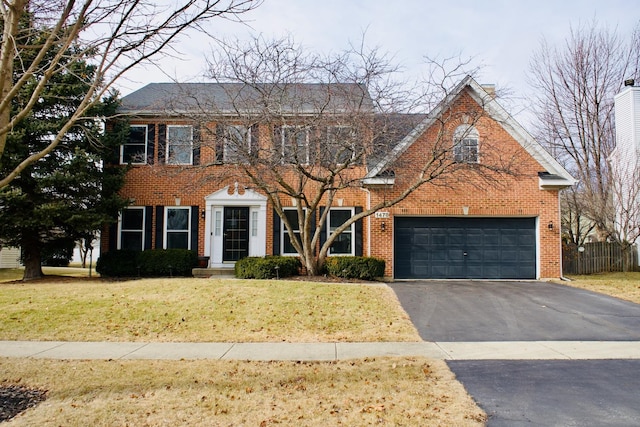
220 272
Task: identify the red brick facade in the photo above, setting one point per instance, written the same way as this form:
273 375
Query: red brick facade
514 192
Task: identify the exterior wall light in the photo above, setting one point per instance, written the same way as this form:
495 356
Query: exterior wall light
550 226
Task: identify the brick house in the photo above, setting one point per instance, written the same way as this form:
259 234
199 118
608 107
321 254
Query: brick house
186 190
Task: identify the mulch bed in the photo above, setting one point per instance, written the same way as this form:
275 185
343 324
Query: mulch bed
15 399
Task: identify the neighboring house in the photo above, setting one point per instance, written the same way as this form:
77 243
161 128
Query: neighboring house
9 257
462 228
625 161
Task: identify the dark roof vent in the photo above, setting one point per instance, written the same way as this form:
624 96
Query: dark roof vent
629 82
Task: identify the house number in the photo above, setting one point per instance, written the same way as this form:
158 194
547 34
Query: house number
382 214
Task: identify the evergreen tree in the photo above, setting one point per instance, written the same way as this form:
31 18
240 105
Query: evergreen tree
67 194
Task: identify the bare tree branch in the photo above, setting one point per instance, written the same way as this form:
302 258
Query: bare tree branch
120 34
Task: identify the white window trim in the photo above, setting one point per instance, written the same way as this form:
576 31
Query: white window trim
166 230
120 229
462 133
226 155
330 141
283 233
146 147
168 148
351 230
286 142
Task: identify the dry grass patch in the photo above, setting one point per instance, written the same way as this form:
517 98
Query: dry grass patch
620 285
201 310
385 391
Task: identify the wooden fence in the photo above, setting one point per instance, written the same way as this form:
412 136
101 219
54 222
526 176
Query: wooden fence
598 257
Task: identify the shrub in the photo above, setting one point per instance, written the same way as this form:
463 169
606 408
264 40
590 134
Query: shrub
151 263
355 267
167 262
122 263
267 267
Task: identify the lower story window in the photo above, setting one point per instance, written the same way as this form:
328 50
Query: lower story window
343 245
287 246
132 226
177 228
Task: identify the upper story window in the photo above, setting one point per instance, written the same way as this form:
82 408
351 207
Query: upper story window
295 144
177 228
237 145
465 144
179 149
134 150
340 144
131 228
343 245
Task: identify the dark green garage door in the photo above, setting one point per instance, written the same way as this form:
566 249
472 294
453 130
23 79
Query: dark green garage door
465 248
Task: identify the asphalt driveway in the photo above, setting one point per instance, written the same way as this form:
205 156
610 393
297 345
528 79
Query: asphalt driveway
515 311
533 392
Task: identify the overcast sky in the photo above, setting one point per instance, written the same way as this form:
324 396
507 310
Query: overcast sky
500 34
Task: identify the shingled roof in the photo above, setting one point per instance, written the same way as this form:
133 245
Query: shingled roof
228 98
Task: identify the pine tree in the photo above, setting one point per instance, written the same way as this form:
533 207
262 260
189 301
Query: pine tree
67 195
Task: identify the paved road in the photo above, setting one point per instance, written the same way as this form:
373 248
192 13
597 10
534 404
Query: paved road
534 392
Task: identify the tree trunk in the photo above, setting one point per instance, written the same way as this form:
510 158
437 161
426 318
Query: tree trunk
32 260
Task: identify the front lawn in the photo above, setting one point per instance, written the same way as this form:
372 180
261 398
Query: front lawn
620 285
384 391
201 310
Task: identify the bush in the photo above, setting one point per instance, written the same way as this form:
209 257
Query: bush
167 262
267 267
151 263
355 267
122 263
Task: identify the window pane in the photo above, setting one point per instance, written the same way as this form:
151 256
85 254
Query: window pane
177 240
134 150
138 135
341 140
236 145
287 246
131 240
177 219
292 216
342 244
338 217
132 219
179 145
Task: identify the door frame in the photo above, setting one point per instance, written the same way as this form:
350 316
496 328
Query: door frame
214 222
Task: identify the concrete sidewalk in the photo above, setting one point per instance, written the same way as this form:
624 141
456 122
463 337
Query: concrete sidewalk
515 350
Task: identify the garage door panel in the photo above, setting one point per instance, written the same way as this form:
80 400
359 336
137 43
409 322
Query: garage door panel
435 248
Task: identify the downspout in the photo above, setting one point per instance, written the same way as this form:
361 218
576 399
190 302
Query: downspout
368 220
565 279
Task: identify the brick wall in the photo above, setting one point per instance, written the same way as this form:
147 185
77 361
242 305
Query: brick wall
512 192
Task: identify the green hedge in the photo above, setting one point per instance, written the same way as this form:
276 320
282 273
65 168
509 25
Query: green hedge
355 267
267 267
151 263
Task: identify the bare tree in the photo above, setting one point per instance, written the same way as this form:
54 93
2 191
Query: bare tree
119 34
307 129
575 86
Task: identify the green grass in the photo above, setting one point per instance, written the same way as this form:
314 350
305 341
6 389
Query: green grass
201 310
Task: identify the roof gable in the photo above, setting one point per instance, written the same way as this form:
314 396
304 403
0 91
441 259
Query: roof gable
555 175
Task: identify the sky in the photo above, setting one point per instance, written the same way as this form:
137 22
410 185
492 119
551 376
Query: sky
500 35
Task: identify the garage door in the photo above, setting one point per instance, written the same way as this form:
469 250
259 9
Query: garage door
465 248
